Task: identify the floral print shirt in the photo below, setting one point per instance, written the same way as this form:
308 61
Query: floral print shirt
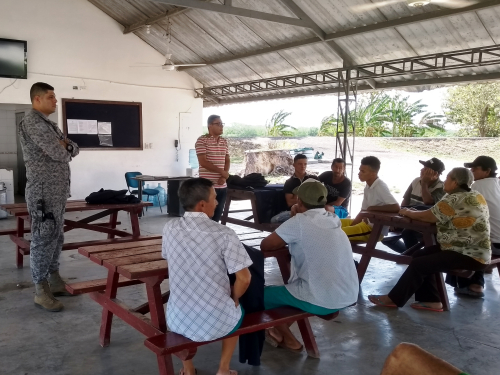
463 224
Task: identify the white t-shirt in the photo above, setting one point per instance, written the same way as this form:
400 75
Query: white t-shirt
200 253
377 195
322 270
490 190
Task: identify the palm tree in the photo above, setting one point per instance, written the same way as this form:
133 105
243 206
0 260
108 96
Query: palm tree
400 113
276 127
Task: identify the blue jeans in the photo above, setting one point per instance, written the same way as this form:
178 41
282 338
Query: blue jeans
221 202
281 217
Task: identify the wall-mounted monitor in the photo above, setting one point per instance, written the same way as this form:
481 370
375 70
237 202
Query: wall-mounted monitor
13 58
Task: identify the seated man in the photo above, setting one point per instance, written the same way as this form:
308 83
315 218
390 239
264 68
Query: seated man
377 197
300 166
485 182
200 254
423 193
323 278
338 185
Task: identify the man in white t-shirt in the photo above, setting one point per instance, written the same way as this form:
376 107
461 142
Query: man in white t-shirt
486 182
377 197
200 255
323 278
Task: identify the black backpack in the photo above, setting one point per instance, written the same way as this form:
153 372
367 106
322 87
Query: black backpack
252 180
111 197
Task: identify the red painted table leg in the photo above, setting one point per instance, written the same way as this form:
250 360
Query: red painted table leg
165 365
155 300
308 338
113 218
20 234
107 316
134 221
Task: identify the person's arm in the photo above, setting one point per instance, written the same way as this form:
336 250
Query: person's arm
243 278
338 202
426 215
385 208
44 137
227 166
428 177
407 196
272 242
202 160
291 199
438 194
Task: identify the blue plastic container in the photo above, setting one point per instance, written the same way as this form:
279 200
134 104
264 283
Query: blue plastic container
193 160
152 198
162 196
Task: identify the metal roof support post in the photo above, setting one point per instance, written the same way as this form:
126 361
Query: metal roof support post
346 122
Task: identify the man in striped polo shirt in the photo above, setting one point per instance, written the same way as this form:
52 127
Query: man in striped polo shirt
213 157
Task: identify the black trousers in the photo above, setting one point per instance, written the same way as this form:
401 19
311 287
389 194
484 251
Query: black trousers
252 300
409 238
221 202
419 278
477 278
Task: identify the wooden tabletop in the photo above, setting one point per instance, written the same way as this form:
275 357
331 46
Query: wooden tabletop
21 209
133 260
396 220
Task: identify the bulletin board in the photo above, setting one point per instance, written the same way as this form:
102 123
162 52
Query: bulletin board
103 125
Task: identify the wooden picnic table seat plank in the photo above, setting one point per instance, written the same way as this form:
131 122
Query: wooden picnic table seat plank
134 259
100 257
148 269
145 241
97 285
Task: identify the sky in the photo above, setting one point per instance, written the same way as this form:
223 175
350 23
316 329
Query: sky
306 111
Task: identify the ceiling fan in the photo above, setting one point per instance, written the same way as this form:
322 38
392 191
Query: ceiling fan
413 3
168 65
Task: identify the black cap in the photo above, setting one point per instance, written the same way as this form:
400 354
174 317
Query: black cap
485 162
435 164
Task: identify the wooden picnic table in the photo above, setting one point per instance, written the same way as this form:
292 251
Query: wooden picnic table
20 211
141 262
127 264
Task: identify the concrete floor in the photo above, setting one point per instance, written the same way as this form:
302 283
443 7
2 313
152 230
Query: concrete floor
33 341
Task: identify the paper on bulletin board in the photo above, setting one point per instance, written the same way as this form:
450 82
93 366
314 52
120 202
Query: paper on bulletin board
91 126
83 127
73 126
104 127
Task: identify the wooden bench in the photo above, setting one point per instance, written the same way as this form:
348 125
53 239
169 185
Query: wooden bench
98 285
172 343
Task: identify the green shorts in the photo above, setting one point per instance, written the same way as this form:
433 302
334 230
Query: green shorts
276 296
238 325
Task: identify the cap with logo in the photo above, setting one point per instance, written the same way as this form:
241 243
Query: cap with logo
311 192
435 164
485 162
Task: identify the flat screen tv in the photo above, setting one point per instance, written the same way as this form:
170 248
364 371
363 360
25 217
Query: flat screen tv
13 58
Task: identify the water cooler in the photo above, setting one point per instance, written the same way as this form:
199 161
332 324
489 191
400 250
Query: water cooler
3 199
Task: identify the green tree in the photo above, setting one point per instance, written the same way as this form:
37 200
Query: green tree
475 107
277 128
401 116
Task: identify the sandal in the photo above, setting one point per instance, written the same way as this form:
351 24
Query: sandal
181 371
298 350
271 340
466 291
377 301
423 306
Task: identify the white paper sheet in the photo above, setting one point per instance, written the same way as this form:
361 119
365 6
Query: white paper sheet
92 126
73 126
104 127
82 127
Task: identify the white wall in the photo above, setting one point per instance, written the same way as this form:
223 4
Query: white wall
72 43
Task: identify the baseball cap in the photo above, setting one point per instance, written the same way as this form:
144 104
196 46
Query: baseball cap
435 164
311 192
484 162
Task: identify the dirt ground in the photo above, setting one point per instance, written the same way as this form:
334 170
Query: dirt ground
399 157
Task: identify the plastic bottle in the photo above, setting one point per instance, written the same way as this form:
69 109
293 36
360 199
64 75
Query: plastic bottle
162 196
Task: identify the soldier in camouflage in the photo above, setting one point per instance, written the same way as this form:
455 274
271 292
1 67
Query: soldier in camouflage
47 154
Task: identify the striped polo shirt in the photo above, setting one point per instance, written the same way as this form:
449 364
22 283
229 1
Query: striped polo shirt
215 151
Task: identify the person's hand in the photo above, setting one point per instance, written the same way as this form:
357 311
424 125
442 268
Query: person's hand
225 174
221 181
293 210
429 176
330 208
63 143
404 211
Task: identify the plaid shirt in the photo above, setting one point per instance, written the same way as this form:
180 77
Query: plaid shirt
200 253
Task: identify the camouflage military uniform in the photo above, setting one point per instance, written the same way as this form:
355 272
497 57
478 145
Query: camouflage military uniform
48 178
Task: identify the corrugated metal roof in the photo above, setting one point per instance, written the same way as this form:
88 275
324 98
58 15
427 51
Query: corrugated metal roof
204 36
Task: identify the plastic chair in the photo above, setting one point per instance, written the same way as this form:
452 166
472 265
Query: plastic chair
134 184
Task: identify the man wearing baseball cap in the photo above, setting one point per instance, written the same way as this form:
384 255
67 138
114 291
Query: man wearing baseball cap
423 193
486 182
323 277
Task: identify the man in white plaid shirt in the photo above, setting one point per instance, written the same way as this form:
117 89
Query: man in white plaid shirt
200 255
